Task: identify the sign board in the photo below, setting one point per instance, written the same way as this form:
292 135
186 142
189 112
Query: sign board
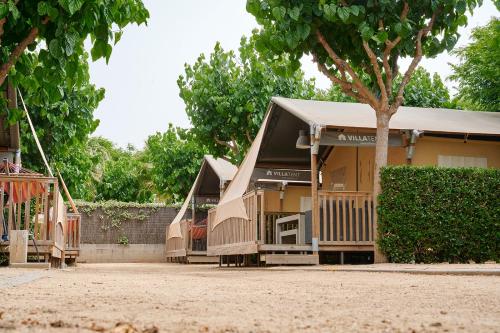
335 138
206 200
290 175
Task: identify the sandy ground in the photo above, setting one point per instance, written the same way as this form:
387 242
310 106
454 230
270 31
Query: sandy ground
180 298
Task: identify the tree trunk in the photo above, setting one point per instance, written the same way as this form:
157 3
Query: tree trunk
381 150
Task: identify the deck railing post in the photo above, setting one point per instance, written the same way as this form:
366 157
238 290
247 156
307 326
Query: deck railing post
315 133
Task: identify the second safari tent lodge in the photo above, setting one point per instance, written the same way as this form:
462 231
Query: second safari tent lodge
186 237
305 187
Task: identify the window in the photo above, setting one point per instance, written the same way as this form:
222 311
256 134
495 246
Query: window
462 161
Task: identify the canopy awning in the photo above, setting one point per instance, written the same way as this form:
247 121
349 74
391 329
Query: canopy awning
207 182
275 142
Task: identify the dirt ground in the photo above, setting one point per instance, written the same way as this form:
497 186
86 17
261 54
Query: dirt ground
180 298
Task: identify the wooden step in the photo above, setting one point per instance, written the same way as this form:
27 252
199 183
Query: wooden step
291 259
38 265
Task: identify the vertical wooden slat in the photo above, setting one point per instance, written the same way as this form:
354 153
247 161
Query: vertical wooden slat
45 213
325 218
337 222
351 219
370 236
331 219
355 219
344 234
11 203
1 209
19 205
262 220
27 207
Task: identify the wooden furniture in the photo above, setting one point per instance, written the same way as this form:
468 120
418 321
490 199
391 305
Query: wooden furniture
292 225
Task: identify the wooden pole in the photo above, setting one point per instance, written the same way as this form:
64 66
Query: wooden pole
314 190
70 199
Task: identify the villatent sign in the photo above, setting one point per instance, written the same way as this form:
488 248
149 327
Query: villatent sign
281 175
335 138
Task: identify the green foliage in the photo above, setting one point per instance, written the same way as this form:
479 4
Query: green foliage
123 240
227 95
429 214
422 91
175 158
62 126
289 29
125 177
426 91
113 213
55 31
478 73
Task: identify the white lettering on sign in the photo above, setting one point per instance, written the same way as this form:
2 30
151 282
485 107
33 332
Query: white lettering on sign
333 138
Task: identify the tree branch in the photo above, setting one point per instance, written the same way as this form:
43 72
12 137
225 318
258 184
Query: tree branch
390 45
18 50
345 86
378 74
249 137
342 65
413 65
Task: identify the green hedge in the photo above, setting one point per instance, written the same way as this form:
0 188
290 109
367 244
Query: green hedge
430 214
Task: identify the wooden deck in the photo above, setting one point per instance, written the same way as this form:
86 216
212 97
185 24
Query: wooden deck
346 224
32 202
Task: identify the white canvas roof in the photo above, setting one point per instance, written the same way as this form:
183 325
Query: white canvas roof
356 115
222 168
350 115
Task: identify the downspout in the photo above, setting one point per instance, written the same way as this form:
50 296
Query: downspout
412 136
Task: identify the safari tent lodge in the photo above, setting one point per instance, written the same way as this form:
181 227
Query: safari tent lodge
186 237
304 190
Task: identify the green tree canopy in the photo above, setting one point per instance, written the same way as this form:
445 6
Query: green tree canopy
227 95
357 45
124 175
54 31
175 157
478 73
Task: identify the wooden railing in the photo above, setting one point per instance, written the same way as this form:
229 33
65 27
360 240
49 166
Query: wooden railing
236 230
73 226
269 230
30 203
177 246
346 218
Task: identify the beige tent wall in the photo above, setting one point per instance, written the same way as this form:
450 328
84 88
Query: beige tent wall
428 149
340 166
291 200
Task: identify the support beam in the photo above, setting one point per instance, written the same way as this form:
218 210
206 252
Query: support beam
315 136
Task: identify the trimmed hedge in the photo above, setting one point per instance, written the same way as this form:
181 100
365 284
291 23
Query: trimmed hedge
431 214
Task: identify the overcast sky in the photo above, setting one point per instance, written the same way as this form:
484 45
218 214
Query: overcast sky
142 96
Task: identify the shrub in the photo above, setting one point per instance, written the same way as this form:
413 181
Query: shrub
432 214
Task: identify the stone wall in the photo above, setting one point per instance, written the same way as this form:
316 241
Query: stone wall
121 232
137 225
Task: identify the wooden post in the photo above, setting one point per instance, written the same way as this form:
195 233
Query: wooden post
314 190
314 200
18 247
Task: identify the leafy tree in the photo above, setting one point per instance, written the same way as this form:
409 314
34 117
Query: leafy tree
478 73
54 31
175 157
357 44
227 95
62 126
125 176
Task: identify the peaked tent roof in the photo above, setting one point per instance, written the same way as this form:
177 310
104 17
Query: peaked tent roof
224 170
299 114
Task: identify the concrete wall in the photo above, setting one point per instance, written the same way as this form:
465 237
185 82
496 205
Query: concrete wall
145 231
98 253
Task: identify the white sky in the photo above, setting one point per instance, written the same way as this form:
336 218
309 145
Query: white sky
142 96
